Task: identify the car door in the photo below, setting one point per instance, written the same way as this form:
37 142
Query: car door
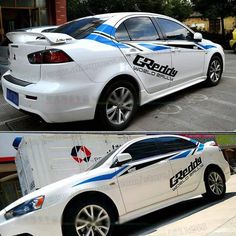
188 58
146 52
146 181
186 165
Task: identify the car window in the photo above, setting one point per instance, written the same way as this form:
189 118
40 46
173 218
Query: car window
141 28
174 31
122 33
142 149
79 29
173 144
157 146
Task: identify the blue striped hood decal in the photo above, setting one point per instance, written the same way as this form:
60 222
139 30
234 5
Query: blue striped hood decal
102 177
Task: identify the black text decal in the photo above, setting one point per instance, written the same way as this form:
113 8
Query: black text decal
185 174
148 66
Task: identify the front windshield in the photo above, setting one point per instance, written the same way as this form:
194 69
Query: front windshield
102 160
81 28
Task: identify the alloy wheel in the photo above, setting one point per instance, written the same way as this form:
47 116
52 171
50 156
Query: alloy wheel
92 220
119 105
216 183
215 70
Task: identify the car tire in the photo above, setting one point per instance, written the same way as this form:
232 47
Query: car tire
215 184
215 71
117 105
87 216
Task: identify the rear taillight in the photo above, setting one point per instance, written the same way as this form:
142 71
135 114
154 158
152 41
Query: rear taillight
48 57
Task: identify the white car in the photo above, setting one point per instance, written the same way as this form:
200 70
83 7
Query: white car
105 66
141 176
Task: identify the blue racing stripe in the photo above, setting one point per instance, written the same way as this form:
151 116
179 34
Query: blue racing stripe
154 47
106 29
104 40
182 155
208 46
102 177
200 147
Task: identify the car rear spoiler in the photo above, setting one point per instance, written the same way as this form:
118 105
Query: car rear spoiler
52 38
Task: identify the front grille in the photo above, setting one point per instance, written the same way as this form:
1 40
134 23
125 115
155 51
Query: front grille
13 80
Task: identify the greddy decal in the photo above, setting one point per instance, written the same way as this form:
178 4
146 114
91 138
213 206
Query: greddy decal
183 175
152 68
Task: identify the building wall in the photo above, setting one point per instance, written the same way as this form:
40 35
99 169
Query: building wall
203 24
60 12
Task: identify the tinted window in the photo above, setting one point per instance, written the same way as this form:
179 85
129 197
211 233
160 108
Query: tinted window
174 31
157 146
173 144
141 28
79 29
122 34
142 149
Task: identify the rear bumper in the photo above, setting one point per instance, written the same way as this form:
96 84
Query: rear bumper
56 101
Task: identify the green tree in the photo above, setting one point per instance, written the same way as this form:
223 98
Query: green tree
213 9
179 9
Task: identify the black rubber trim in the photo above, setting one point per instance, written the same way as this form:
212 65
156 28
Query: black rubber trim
13 80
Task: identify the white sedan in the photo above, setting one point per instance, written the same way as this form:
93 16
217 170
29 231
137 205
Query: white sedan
105 66
141 176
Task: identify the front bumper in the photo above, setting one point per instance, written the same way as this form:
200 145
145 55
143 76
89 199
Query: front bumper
56 101
38 223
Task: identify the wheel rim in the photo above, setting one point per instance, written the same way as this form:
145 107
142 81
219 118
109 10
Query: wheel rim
92 220
216 183
215 70
119 105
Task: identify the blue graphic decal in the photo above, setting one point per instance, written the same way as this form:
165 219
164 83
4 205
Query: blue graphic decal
208 46
106 29
194 141
182 155
102 177
154 47
200 147
104 40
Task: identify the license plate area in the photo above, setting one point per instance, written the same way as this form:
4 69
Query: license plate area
13 97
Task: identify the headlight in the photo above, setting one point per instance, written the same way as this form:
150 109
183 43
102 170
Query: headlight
26 207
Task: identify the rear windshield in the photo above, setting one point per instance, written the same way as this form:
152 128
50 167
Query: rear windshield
81 28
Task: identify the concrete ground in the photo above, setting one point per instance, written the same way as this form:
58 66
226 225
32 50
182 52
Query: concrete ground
198 108
194 217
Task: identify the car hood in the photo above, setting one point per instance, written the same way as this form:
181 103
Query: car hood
51 189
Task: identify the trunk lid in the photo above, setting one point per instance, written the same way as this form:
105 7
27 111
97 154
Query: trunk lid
25 43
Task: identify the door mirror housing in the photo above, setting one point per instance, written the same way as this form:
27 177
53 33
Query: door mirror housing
123 158
197 37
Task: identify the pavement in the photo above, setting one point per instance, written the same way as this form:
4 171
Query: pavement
198 108
194 217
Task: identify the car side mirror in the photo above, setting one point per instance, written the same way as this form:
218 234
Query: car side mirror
197 37
123 158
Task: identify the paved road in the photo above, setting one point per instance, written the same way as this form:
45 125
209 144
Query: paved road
198 108
194 217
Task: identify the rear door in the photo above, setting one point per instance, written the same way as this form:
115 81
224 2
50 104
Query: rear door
188 58
147 52
186 165
146 181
